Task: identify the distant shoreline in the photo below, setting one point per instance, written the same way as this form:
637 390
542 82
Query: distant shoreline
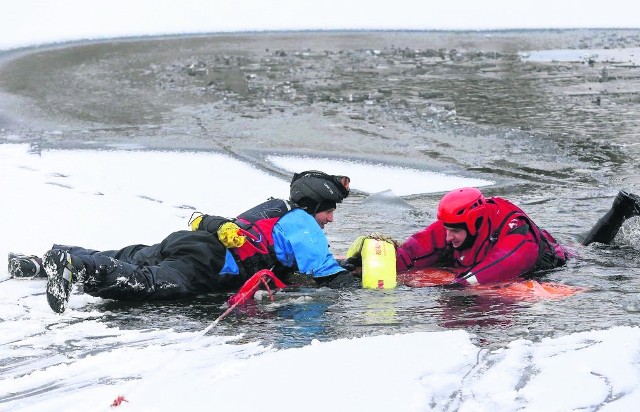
55 45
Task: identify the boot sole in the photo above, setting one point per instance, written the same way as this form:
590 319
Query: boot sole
58 289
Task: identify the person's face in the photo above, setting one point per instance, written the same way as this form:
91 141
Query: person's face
456 236
324 217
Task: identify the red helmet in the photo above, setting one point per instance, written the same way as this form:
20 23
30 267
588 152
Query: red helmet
462 206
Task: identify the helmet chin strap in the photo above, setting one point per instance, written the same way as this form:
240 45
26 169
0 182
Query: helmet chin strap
468 242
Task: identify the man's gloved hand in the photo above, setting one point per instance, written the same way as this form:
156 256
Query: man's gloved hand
453 285
466 279
230 235
351 264
195 220
339 280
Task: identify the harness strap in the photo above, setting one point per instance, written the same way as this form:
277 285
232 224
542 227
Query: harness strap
547 258
493 238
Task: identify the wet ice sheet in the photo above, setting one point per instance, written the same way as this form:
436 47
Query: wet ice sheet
375 178
614 56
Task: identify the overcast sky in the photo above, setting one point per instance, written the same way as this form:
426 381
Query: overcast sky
27 22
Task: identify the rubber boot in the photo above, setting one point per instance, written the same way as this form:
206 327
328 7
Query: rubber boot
25 266
625 205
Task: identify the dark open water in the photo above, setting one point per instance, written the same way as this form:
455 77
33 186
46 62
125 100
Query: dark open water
560 139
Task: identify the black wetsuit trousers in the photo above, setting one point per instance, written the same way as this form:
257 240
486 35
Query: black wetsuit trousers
184 264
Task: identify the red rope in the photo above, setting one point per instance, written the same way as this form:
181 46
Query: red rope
119 400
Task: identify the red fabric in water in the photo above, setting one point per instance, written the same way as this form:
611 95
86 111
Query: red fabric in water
519 289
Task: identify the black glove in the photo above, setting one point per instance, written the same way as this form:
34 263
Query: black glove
339 280
209 223
351 263
453 285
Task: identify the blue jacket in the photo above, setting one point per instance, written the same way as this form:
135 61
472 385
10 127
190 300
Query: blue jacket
298 241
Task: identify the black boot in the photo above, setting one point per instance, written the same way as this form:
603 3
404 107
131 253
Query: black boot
625 205
25 266
63 271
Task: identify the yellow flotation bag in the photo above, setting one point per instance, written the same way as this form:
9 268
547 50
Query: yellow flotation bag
378 264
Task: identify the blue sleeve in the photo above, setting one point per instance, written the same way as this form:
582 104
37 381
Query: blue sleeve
298 239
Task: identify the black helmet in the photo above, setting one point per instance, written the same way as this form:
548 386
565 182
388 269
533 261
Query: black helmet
315 191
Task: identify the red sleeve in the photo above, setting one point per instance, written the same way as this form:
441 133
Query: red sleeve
514 253
422 249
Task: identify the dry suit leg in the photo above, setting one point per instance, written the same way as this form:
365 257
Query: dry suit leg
126 254
115 279
625 205
606 229
184 264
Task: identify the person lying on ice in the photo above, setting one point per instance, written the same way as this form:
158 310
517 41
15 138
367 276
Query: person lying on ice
218 254
487 240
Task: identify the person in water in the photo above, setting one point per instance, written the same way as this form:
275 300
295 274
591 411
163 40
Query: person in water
487 240
218 254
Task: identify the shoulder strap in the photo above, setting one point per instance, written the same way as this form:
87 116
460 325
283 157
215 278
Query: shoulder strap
494 236
267 210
